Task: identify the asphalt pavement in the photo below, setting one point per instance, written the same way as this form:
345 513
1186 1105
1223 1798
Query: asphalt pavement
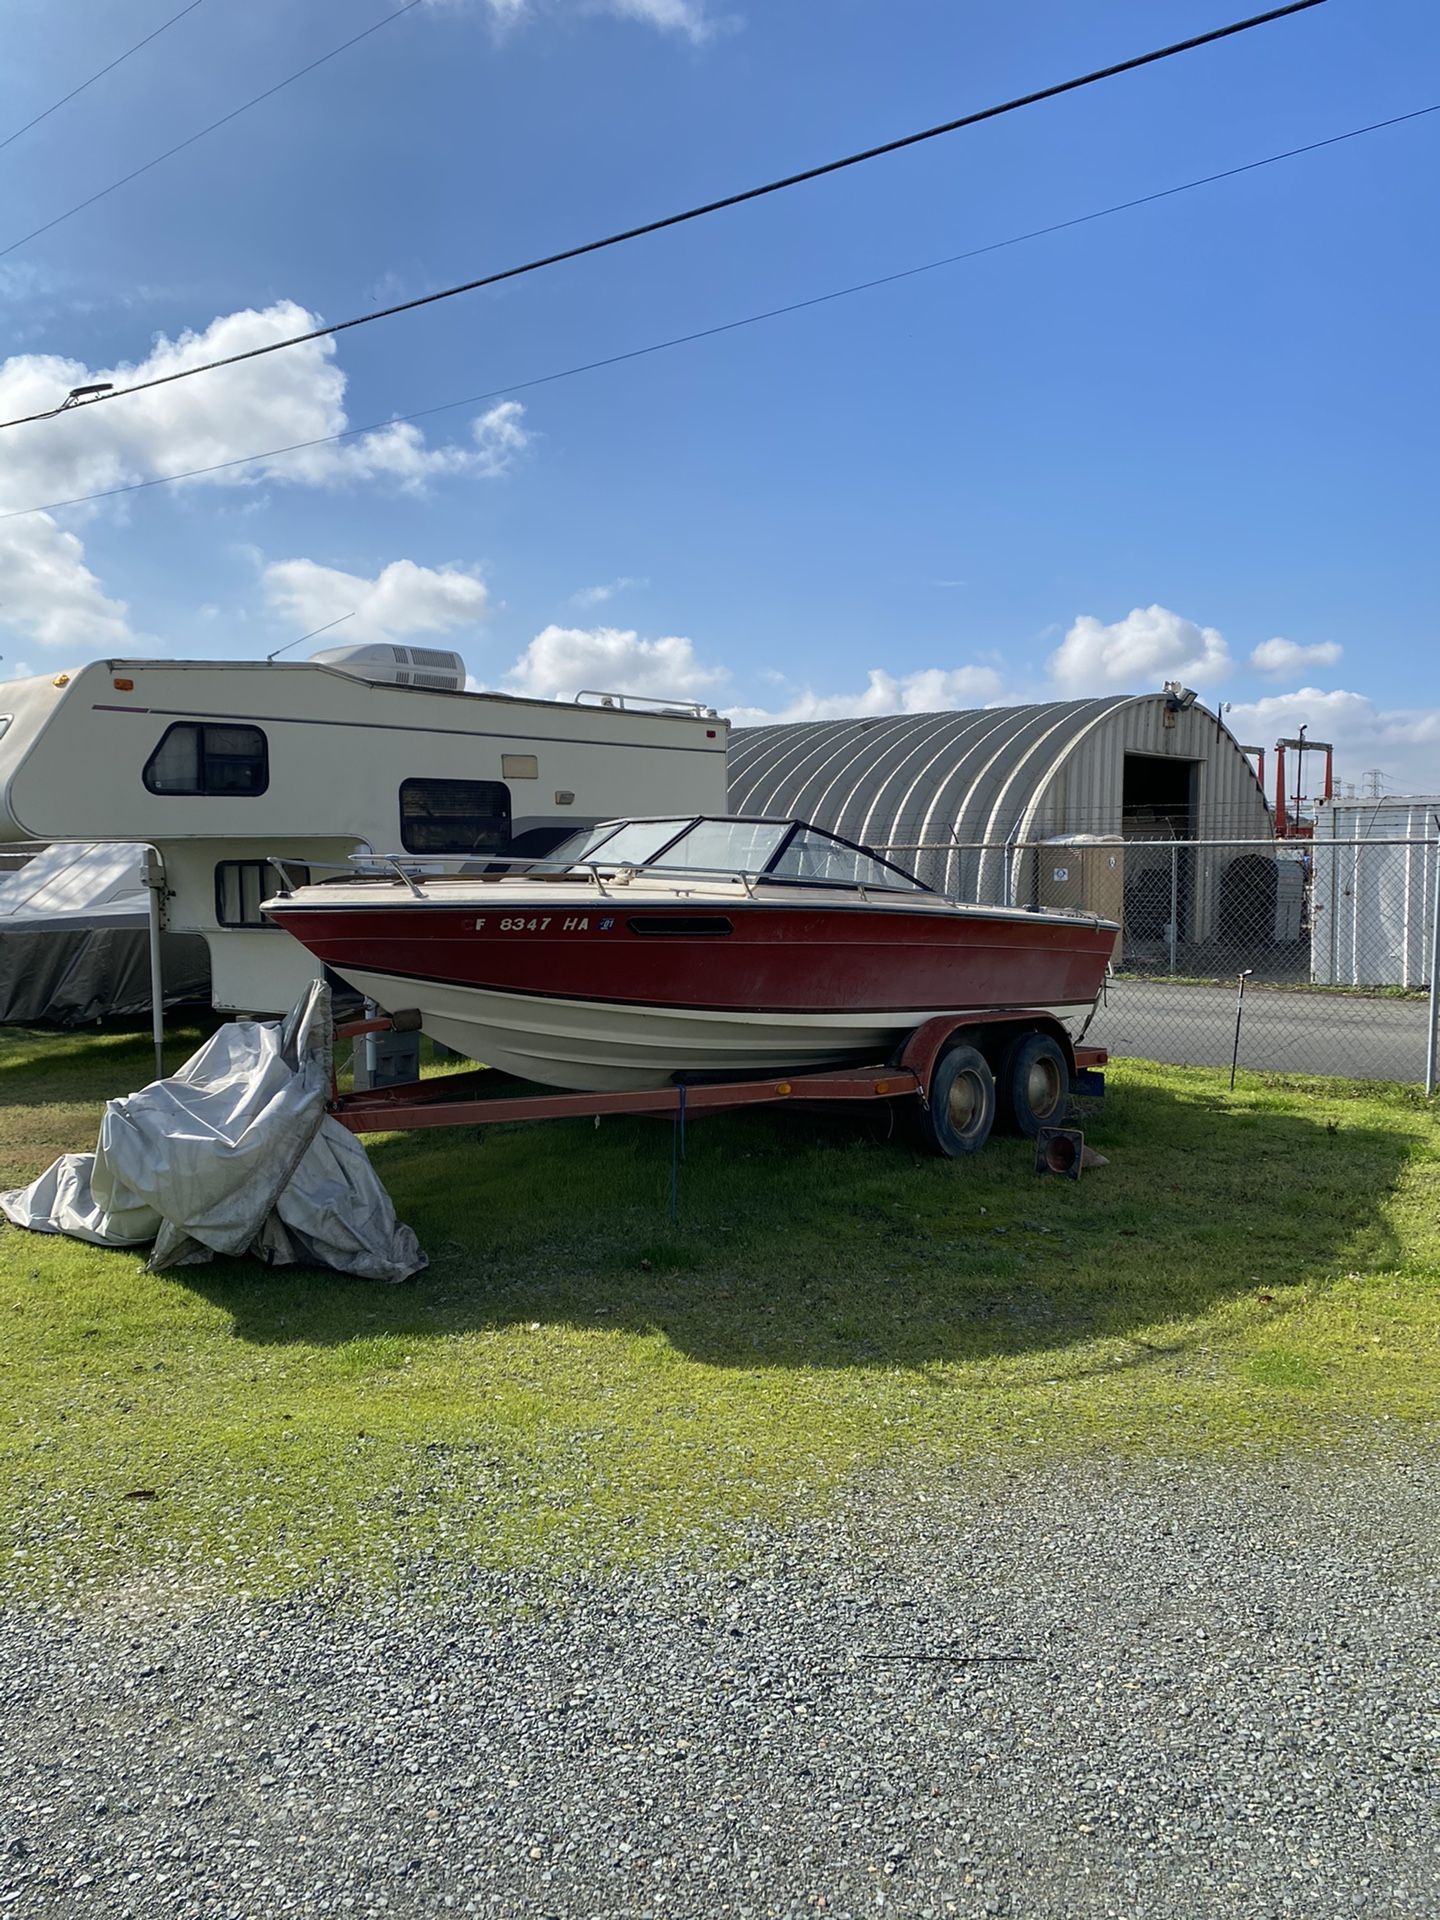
1283 1030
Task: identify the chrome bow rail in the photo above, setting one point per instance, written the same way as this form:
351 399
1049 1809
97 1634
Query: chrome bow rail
412 870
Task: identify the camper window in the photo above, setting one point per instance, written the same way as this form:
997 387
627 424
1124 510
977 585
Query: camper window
219 760
240 886
454 816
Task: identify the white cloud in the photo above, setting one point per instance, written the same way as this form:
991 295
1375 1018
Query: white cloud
402 599
1136 654
281 400
597 596
561 661
1404 742
499 438
1288 656
23 282
49 595
689 18
930 690
399 452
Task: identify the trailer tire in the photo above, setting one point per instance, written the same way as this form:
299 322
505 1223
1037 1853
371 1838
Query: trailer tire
959 1110
1033 1084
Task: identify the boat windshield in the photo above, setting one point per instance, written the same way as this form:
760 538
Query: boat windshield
815 856
631 843
785 850
728 846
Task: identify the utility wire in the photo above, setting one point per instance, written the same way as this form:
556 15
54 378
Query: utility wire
119 59
698 212
223 121
728 326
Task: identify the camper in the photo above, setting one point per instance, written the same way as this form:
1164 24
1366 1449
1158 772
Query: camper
225 766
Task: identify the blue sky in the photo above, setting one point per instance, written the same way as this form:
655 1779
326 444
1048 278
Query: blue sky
1147 446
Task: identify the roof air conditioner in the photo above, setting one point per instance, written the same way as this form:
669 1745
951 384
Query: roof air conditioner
389 666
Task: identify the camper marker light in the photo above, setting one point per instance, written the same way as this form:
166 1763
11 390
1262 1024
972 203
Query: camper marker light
123 686
61 680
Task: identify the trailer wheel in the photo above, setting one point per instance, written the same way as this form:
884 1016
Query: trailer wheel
1033 1085
961 1104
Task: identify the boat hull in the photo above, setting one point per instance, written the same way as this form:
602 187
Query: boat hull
648 989
598 1046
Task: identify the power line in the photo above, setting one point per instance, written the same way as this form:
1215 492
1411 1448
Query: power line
698 212
223 121
119 59
727 326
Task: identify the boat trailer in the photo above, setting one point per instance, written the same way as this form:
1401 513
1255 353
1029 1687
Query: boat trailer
948 1067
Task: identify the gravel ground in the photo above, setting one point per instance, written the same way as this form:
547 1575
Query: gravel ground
1110 1690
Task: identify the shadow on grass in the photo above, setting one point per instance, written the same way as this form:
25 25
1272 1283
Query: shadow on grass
805 1244
62 1066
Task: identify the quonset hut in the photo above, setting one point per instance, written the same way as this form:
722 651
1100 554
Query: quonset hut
969 799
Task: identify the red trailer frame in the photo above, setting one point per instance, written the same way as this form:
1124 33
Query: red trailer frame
455 1100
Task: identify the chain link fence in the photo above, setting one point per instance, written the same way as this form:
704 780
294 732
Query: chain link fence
1332 942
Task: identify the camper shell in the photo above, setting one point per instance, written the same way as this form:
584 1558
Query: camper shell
223 766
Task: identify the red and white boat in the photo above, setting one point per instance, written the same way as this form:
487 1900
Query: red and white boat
640 950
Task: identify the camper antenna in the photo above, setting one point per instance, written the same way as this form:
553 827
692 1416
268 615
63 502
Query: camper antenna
309 636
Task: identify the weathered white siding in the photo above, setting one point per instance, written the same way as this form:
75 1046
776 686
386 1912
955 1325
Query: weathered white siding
1375 871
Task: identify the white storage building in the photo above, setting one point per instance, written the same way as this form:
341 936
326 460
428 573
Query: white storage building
1376 864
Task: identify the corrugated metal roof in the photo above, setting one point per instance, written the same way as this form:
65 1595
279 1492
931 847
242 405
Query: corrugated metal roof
970 788
977 775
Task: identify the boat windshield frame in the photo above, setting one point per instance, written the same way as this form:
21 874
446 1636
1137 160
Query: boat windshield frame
594 855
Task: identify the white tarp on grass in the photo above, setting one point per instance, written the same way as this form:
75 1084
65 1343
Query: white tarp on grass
234 1154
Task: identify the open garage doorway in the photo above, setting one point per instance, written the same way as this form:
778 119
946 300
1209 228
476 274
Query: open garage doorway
1159 798
1159 804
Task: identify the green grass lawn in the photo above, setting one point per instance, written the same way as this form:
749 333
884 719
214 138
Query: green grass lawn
578 1379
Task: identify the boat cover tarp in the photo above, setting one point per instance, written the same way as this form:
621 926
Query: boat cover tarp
234 1154
75 940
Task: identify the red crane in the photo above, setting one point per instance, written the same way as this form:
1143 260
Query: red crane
1288 824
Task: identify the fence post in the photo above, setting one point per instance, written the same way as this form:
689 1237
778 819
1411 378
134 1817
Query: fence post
1432 1035
1174 899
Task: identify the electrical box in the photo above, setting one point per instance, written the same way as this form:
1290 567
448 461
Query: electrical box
1085 873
